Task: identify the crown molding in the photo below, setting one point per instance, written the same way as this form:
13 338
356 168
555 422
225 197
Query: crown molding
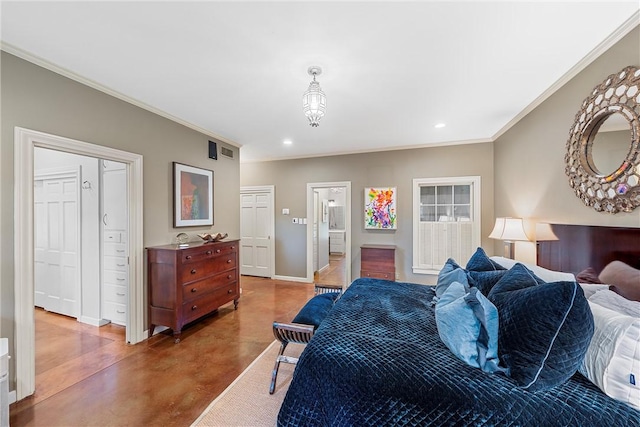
41 62
607 43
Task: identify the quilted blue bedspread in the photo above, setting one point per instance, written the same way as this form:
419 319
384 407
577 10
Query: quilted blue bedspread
377 360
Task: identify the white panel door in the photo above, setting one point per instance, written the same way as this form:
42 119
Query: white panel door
256 210
57 225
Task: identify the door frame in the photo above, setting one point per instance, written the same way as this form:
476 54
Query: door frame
75 173
347 214
270 191
25 140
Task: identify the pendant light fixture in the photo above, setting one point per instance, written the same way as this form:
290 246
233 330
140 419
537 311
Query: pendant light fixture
314 102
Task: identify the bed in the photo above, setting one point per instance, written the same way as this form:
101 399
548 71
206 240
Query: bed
377 359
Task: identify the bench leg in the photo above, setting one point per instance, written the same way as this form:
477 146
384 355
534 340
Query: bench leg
274 374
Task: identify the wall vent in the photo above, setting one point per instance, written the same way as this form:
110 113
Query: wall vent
226 152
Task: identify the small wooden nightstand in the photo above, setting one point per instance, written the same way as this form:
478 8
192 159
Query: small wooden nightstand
378 261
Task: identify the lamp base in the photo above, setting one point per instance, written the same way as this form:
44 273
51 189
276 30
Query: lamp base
509 250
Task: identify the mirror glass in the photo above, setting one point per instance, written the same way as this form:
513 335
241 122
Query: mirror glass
611 144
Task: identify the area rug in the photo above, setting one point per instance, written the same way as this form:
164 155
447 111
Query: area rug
247 402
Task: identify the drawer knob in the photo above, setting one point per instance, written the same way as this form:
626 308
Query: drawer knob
193 271
228 261
188 256
208 252
229 276
119 312
119 294
233 247
119 279
195 307
120 265
194 290
217 251
230 291
120 250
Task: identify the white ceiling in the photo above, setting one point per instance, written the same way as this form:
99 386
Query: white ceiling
391 70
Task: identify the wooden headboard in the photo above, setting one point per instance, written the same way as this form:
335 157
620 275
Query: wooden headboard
582 246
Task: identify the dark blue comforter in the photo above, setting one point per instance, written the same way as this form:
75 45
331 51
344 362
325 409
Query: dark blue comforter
377 360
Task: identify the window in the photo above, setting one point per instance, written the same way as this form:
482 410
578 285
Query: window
446 221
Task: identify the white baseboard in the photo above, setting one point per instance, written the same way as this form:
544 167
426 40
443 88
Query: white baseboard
293 279
93 321
323 268
12 397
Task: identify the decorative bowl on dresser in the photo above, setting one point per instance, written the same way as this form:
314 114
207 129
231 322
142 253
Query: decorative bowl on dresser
186 283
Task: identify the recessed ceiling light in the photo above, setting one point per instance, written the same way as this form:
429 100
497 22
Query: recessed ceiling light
287 142
440 125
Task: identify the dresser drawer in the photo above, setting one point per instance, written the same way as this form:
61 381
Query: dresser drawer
115 312
378 275
200 270
207 252
115 249
115 293
209 302
196 289
118 263
114 277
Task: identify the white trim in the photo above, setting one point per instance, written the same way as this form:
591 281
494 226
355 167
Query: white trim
41 62
25 141
93 321
601 48
476 206
270 190
292 279
347 225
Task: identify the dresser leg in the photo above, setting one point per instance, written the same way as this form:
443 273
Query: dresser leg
235 304
151 329
176 337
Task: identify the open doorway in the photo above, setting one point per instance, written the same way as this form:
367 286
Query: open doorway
329 237
25 143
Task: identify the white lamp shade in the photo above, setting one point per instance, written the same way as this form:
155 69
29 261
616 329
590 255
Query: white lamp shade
509 229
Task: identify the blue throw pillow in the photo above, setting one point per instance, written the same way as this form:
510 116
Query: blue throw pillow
468 325
544 328
483 272
451 272
316 309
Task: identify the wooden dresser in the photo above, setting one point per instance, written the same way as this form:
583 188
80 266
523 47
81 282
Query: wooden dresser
188 283
378 261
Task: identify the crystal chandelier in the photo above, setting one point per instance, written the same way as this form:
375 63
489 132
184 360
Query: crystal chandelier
314 102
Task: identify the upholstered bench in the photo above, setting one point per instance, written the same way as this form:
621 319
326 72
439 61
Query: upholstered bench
303 325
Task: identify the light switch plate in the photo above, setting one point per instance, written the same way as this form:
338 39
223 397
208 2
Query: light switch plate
285 211
295 220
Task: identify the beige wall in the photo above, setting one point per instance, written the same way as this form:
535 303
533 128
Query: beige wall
529 159
393 169
38 99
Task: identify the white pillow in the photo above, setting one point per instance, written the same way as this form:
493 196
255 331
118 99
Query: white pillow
612 361
590 289
546 275
615 302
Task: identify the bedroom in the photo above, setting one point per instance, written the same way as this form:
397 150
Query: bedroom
542 193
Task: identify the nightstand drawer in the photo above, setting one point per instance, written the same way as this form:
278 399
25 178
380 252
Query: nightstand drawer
202 269
378 275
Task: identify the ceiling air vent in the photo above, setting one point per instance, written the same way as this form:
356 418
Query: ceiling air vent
226 152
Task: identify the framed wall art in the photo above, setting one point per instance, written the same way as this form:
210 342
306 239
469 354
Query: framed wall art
380 208
192 196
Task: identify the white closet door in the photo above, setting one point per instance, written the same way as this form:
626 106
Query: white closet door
255 234
57 225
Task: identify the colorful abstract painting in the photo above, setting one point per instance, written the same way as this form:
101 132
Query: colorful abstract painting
380 208
193 196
